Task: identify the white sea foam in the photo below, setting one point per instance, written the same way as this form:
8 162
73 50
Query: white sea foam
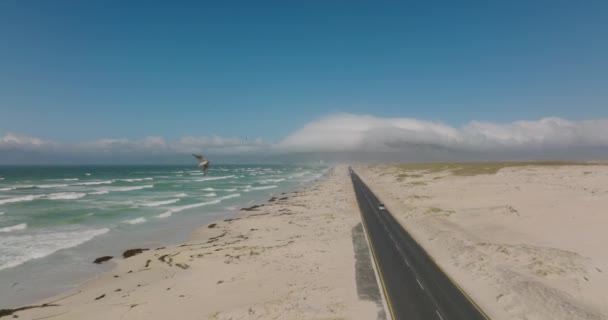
270 180
195 205
263 187
65 196
299 174
23 186
121 189
17 249
21 226
92 183
19 199
71 179
6 189
180 195
87 174
230 190
136 220
186 207
159 203
215 178
132 188
234 195
100 192
165 214
2 213
135 180
46 186
212 194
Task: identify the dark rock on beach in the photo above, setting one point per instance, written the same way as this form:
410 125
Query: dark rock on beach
252 208
212 225
132 252
8 312
102 259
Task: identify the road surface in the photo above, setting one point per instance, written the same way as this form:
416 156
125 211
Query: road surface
414 286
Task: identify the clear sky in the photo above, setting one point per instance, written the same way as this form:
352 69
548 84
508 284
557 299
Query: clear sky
84 70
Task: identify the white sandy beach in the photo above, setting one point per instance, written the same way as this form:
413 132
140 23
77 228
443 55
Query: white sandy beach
290 259
526 242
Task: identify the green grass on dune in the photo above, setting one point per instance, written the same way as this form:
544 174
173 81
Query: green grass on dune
410 170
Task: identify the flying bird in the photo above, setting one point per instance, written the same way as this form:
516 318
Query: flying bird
202 162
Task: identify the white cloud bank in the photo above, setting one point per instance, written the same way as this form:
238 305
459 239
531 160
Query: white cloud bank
351 133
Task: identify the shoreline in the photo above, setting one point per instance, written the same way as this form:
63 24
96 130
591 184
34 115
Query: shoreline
87 271
272 239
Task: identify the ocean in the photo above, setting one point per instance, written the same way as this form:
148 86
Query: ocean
54 221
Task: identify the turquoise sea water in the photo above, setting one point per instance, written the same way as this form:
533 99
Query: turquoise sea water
55 220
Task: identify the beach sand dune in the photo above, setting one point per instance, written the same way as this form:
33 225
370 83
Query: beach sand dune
289 259
525 241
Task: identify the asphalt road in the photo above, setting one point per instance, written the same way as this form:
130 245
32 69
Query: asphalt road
414 286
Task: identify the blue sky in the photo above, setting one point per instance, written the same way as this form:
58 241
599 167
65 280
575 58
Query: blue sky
83 70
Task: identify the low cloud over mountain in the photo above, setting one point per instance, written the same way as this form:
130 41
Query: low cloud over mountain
343 137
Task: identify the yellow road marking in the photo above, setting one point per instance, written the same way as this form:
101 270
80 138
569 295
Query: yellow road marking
371 247
439 266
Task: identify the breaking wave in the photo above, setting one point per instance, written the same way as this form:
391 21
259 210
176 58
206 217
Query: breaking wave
159 203
21 226
234 195
260 188
215 178
271 180
65 196
169 212
136 220
46 186
122 189
92 183
19 199
165 214
17 249
100 192
136 179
